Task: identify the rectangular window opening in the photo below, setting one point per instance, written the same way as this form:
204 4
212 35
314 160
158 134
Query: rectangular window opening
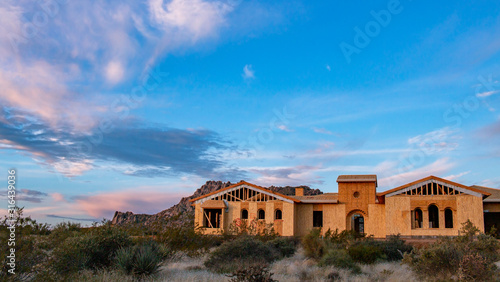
317 218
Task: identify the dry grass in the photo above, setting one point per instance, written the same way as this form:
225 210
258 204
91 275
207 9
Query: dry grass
296 268
189 269
300 268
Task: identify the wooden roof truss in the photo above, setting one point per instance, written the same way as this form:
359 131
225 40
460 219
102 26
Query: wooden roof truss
433 187
244 193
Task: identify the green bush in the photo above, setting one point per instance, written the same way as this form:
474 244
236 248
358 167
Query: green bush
29 257
314 245
366 252
341 259
252 273
285 246
242 251
394 248
467 256
142 259
257 228
185 237
93 250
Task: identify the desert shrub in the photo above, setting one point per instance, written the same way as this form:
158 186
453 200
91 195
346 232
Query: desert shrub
285 246
474 267
142 259
313 244
92 250
366 252
184 237
394 248
439 260
245 250
316 244
257 228
341 259
488 246
252 273
467 256
333 276
343 238
28 257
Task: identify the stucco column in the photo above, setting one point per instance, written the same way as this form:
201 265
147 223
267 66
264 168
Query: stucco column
425 219
441 219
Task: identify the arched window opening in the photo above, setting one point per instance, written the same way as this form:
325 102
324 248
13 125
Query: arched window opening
278 214
261 214
433 216
448 218
244 214
416 217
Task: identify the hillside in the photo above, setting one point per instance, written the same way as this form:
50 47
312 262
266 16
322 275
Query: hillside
184 208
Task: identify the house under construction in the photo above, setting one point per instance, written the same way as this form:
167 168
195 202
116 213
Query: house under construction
427 207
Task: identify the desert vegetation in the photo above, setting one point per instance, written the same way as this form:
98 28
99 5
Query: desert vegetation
247 252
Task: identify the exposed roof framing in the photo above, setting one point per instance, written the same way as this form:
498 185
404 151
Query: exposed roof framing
433 179
259 193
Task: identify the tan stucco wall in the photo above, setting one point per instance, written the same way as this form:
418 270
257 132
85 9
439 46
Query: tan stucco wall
397 215
233 212
464 207
375 224
470 207
288 219
303 219
333 217
366 191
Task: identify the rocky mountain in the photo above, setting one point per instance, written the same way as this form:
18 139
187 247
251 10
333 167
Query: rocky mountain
184 208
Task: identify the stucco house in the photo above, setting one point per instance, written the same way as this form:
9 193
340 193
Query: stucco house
431 206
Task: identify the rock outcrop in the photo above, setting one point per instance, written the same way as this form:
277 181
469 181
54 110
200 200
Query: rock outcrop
184 206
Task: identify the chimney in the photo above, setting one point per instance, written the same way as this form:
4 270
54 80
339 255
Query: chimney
299 191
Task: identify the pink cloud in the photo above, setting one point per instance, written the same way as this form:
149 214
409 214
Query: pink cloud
39 89
140 200
396 177
58 197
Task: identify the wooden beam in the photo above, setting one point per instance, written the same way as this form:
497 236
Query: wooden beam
208 219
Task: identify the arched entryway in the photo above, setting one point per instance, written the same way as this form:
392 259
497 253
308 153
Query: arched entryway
356 221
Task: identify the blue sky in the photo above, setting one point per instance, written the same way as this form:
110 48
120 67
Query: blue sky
129 106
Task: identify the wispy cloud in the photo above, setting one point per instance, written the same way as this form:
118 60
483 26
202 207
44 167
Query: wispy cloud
486 94
322 131
197 18
155 151
293 175
394 176
32 196
283 127
24 196
248 72
443 139
455 177
71 218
